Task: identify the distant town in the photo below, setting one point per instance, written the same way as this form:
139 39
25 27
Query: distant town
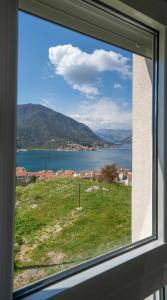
23 176
72 147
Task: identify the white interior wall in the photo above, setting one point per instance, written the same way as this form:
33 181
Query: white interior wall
141 148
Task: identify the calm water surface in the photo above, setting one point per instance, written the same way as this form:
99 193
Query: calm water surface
35 160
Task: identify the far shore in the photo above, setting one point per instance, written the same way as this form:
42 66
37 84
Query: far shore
62 150
116 146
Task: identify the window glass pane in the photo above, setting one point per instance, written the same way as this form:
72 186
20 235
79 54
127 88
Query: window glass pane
84 149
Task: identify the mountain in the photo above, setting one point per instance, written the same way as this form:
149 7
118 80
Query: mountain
127 140
41 127
116 136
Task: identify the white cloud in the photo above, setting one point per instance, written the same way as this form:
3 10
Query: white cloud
103 113
47 103
117 86
82 70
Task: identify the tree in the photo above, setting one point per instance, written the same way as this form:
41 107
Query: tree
32 179
109 173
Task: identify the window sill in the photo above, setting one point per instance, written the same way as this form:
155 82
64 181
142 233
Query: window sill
107 277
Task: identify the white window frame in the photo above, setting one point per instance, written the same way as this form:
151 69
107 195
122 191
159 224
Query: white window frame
134 274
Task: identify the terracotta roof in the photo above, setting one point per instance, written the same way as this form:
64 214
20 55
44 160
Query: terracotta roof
21 173
46 175
69 172
129 176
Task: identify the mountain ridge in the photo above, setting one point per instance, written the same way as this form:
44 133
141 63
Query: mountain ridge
115 136
41 127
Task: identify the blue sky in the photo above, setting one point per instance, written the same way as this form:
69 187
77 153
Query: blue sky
79 76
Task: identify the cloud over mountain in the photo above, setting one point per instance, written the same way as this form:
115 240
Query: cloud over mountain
82 70
104 113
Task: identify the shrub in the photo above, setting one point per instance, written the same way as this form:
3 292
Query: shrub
32 179
109 173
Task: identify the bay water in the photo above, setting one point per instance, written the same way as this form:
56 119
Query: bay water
36 160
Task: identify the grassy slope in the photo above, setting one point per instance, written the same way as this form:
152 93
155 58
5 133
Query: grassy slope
55 233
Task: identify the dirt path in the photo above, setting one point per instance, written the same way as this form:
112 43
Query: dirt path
32 274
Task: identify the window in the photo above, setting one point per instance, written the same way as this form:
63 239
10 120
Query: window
80 142
132 258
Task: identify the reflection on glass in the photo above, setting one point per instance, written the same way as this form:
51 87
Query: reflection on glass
156 296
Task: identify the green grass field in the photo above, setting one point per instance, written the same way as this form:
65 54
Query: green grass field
53 234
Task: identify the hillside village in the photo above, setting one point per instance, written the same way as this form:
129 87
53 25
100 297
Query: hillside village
22 175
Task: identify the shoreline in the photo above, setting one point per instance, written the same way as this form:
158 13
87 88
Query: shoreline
65 150
67 170
123 175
